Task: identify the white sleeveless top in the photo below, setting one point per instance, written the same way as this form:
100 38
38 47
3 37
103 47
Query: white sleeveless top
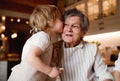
24 71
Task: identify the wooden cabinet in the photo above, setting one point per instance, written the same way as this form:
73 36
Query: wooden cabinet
104 15
105 25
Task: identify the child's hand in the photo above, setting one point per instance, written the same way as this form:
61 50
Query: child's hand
54 72
61 69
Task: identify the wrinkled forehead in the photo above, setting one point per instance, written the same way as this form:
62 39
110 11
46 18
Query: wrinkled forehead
72 16
73 19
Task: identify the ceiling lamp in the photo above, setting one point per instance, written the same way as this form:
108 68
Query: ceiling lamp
2 27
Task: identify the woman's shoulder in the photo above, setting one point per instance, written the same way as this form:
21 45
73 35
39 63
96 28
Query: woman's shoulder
90 45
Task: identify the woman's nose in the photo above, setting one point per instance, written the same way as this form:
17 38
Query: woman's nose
69 28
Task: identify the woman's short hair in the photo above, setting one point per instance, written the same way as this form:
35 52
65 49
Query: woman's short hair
42 16
75 12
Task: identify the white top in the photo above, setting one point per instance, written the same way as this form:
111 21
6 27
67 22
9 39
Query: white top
40 39
117 63
82 63
24 71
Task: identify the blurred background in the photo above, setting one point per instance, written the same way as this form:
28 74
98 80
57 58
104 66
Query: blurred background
104 16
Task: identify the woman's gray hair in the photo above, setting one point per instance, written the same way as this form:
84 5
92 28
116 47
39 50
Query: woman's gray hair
76 12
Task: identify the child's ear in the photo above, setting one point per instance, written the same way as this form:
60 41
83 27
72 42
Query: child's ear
50 23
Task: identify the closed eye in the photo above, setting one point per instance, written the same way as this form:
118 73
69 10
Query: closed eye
65 25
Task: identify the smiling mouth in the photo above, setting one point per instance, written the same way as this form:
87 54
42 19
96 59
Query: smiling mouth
69 35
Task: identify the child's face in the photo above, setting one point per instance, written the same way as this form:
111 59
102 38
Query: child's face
58 25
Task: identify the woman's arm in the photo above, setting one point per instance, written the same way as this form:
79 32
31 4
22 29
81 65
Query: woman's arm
116 75
116 71
101 68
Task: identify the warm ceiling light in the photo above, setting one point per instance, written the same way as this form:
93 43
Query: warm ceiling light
18 20
3 18
27 22
3 27
11 19
2 35
14 35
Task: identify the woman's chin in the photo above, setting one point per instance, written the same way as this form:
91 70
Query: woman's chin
67 40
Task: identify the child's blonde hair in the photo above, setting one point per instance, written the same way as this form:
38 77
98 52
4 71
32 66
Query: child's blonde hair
43 15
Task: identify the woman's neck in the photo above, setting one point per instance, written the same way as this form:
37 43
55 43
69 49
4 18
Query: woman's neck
68 45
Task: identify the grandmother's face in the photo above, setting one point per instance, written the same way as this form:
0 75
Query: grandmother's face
72 32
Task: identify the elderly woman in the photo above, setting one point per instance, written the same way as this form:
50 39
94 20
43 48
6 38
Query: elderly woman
81 60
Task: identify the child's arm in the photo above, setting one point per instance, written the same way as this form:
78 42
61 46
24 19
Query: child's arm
34 59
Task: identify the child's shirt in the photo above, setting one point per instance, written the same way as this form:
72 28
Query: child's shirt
40 39
26 72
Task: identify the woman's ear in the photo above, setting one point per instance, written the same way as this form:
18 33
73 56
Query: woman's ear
83 33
